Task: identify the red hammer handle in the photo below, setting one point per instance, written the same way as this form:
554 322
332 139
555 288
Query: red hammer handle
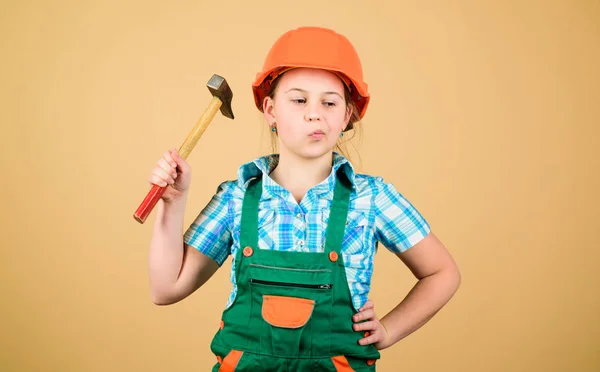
156 192
148 203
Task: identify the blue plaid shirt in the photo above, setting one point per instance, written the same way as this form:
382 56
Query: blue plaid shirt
377 213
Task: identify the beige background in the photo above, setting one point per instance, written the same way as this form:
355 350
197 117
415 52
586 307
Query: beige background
484 114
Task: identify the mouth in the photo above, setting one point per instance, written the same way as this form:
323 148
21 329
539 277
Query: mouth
317 134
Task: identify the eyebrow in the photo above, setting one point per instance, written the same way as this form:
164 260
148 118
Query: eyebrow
304 91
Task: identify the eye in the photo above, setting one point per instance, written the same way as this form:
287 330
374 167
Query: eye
329 103
299 100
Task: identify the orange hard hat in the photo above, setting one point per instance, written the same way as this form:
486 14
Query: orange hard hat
314 47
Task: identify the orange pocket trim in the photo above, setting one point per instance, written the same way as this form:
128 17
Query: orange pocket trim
341 364
287 312
231 361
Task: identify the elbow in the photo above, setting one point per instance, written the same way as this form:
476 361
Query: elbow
454 277
449 278
161 299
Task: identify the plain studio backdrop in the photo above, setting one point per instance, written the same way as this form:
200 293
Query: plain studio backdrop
484 115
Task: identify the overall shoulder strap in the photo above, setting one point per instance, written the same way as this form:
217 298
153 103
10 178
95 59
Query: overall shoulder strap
249 222
336 227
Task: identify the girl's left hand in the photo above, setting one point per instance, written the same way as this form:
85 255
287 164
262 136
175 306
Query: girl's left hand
375 332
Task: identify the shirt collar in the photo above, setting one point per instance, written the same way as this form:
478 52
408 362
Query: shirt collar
263 166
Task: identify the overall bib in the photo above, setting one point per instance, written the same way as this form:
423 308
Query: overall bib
293 310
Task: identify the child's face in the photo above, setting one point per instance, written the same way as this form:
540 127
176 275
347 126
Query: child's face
309 110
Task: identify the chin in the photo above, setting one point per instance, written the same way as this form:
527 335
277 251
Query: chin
315 152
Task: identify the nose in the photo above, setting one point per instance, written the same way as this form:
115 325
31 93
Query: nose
312 112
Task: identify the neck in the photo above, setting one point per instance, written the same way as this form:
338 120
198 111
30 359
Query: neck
298 175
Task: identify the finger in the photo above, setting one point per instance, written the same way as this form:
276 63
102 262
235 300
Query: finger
364 315
156 180
368 305
169 158
370 339
366 326
162 175
181 163
164 165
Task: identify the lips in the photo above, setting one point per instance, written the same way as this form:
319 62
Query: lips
318 134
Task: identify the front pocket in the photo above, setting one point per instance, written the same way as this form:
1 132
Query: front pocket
294 285
291 277
290 313
286 325
287 312
291 302
355 234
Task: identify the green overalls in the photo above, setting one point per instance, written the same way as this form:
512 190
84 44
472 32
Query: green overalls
293 310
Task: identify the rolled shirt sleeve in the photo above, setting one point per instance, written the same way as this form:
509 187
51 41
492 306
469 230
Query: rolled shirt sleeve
398 224
210 233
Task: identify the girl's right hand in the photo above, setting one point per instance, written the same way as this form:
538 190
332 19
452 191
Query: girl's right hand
175 173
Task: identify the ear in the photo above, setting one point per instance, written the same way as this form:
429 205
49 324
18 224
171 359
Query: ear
349 110
269 110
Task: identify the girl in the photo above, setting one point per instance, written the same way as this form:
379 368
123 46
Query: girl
302 228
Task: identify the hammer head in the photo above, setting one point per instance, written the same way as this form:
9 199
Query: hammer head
219 88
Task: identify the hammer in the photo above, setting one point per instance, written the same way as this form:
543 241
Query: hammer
222 97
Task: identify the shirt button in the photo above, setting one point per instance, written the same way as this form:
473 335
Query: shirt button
300 242
300 215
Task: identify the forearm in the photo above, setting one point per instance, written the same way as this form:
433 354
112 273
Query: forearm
166 247
425 299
